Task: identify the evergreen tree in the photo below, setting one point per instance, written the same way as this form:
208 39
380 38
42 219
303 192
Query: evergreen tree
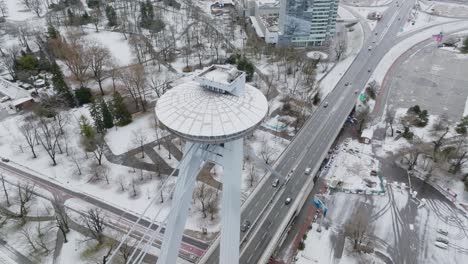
111 16
93 3
60 86
121 114
107 118
150 11
147 14
52 32
461 127
71 17
43 63
464 48
96 114
83 95
86 128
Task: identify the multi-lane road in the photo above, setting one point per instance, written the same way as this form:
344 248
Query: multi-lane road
311 144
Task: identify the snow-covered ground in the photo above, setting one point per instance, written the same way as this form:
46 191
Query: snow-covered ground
17 11
441 8
406 44
320 249
116 43
418 20
351 164
120 139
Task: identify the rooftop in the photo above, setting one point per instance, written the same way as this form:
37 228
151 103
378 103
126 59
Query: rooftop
202 115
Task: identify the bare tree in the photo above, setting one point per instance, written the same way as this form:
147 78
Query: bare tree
29 132
8 60
438 143
339 48
61 218
26 232
25 194
359 226
49 135
122 182
4 189
459 156
41 239
252 176
202 194
99 148
3 8
106 257
95 221
76 57
139 139
362 117
212 206
167 142
390 119
134 81
100 59
266 152
76 159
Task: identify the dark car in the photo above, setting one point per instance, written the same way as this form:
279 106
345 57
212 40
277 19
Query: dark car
245 226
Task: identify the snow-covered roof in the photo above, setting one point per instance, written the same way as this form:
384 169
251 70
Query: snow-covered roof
21 100
12 90
256 26
367 133
202 115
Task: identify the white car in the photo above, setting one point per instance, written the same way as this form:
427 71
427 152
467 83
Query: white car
369 48
287 201
325 105
441 245
307 171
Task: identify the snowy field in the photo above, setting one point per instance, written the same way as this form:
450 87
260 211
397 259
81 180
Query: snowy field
419 20
400 48
441 8
116 43
351 164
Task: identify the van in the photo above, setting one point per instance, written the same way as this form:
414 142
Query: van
441 245
4 99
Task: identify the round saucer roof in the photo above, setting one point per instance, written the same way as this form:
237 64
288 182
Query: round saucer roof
199 114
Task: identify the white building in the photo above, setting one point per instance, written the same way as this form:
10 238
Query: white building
265 20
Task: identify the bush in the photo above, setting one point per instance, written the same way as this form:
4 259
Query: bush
83 95
407 134
370 92
187 69
301 246
414 110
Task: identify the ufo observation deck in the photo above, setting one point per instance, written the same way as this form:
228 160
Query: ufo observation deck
197 114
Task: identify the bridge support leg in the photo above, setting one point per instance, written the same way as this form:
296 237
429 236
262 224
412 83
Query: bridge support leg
181 201
230 207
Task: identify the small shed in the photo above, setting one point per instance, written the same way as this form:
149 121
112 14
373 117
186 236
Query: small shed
21 103
366 135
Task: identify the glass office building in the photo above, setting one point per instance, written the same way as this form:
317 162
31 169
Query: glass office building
307 22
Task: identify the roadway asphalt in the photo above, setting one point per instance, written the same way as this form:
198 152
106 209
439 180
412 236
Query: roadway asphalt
312 142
